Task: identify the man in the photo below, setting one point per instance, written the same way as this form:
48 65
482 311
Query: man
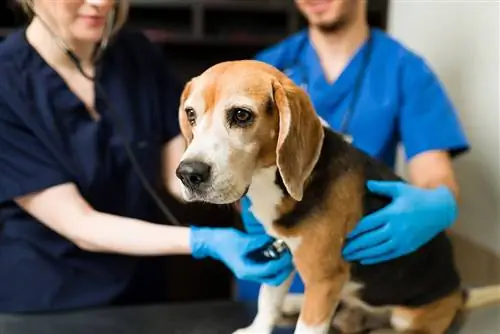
377 93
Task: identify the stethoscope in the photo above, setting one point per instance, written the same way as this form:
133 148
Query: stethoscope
102 94
297 66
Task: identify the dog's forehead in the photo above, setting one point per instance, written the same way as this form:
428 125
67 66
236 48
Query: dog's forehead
230 84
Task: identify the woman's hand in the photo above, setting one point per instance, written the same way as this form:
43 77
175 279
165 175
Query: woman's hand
232 247
415 216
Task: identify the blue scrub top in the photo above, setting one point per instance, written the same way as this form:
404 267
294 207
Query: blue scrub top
400 100
39 269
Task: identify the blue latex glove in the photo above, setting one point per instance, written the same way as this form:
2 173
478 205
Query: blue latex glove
250 223
414 217
231 247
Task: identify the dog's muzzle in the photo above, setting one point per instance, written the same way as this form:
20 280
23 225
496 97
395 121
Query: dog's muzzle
193 174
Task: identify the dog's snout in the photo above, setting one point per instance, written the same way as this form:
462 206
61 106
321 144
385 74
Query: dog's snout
193 173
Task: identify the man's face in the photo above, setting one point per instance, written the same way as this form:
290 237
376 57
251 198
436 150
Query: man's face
328 15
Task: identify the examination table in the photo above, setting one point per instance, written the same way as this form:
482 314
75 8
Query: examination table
221 317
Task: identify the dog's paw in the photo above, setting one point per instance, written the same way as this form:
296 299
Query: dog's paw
350 320
253 330
287 321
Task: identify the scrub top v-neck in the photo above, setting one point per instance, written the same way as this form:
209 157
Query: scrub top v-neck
47 137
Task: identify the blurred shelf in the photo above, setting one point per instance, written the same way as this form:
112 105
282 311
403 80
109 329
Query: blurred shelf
259 5
207 23
162 36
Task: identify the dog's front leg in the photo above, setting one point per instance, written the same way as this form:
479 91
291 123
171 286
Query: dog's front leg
321 299
269 308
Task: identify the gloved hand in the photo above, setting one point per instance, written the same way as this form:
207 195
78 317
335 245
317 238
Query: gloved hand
414 217
250 223
232 246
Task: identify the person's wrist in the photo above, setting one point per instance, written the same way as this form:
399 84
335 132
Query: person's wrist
449 203
199 242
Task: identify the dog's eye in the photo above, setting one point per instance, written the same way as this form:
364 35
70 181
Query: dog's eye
241 117
191 115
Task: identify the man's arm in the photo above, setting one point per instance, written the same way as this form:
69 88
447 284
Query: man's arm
430 128
415 211
431 134
432 169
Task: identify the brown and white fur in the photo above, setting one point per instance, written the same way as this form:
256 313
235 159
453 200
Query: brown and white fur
256 132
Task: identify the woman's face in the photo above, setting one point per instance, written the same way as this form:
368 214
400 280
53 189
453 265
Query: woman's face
76 20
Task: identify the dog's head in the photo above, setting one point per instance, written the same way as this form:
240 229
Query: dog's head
238 117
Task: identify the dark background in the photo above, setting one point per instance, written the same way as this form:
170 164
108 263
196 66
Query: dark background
196 34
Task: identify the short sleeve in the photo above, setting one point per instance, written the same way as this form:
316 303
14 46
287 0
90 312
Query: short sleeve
26 165
428 119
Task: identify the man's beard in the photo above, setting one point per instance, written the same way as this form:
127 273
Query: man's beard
334 26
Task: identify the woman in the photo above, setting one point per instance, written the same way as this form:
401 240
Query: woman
76 220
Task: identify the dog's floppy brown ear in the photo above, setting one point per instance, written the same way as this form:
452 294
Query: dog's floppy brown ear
300 136
183 121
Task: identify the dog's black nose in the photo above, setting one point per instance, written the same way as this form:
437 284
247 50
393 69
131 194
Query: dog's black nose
193 173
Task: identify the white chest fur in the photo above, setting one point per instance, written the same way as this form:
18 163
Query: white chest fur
266 196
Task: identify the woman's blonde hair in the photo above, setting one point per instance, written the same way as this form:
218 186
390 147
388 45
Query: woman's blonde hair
120 14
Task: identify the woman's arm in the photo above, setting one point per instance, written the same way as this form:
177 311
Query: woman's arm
63 209
171 157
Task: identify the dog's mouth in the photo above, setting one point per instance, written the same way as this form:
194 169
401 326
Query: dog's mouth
245 192
214 196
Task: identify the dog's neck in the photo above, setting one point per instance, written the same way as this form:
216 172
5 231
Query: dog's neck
268 193
266 196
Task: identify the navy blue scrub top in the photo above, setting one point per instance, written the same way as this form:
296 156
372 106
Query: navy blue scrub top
39 269
400 101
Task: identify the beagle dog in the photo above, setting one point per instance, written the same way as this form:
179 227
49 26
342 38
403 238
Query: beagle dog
251 131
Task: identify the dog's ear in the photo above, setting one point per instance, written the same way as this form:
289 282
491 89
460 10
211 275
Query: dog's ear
183 121
300 136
